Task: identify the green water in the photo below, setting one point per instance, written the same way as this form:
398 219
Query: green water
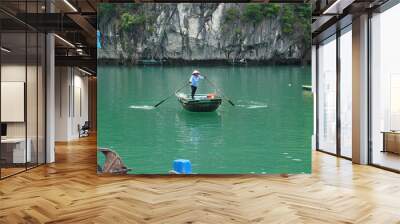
268 131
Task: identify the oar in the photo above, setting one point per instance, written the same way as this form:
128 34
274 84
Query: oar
223 95
162 101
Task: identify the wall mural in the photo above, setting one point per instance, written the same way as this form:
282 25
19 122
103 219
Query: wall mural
204 88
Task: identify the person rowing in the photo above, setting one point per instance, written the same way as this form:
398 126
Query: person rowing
194 81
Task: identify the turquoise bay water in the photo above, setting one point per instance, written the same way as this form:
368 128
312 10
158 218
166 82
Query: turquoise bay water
268 131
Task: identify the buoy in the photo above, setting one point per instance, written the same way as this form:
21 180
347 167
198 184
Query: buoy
210 96
182 166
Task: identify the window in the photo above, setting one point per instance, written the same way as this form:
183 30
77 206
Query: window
385 89
22 88
327 96
346 92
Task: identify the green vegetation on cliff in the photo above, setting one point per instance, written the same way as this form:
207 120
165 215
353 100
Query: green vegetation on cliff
289 15
130 21
206 31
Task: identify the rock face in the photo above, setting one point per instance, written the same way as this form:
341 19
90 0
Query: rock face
221 32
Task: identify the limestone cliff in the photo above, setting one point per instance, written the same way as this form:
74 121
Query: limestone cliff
185 32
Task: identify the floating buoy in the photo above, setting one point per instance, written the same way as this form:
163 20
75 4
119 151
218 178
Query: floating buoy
306 87
211 96
182 166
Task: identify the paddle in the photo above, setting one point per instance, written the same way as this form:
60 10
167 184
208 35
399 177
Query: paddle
162 101
223 95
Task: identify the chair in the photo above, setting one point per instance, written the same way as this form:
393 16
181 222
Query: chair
84 130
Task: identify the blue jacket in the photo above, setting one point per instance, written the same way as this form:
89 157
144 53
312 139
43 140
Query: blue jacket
194 80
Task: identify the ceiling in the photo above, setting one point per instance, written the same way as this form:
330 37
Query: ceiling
74 22
332 15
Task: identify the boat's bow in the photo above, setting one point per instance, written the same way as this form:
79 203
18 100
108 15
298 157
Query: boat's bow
200 102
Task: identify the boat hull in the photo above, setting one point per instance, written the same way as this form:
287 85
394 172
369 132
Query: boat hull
199 105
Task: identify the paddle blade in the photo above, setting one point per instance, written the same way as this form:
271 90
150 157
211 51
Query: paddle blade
160 103
231 102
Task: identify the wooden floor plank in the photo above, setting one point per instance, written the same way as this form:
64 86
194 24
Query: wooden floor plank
70 191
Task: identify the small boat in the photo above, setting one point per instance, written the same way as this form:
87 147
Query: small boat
201 102
306 87
113 163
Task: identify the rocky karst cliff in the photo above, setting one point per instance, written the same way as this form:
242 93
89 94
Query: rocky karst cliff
224 32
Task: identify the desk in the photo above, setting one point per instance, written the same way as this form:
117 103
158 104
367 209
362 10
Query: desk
13 150
391 141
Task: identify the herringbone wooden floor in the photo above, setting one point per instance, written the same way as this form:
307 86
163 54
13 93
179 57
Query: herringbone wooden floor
69 191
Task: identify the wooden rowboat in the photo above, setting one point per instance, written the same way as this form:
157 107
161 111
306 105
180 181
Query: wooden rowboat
200 103
113 163
307 88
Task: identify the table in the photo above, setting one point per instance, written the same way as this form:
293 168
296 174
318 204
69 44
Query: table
13 150
391 141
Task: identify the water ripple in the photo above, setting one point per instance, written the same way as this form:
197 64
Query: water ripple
142 107
252 105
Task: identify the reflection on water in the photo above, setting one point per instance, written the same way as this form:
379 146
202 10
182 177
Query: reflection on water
270 118
251 104
193 128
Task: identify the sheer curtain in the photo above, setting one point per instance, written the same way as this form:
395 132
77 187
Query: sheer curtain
327 96
346 92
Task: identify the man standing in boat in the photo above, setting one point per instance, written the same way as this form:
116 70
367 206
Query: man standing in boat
194 81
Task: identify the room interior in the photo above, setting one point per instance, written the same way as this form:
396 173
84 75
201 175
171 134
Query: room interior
52 90
22 102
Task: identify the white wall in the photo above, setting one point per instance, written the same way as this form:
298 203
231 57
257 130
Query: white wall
33 127
80 110
13 72
16 72
9 73
13 101
62 81
71 93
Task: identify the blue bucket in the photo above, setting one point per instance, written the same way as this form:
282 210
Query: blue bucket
182 166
